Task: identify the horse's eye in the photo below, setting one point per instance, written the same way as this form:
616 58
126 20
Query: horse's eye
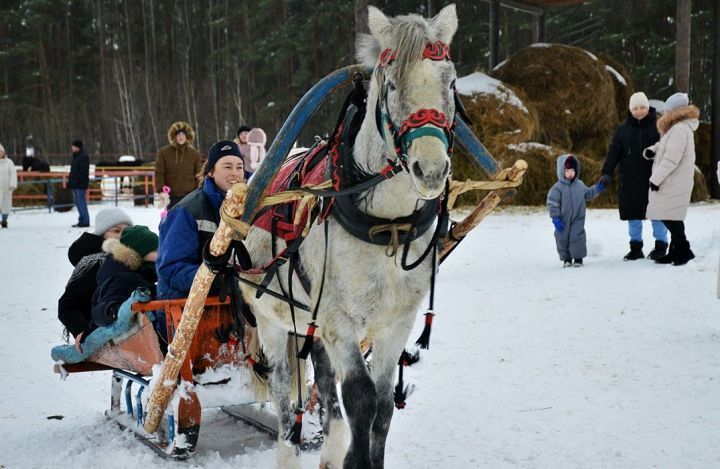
391 86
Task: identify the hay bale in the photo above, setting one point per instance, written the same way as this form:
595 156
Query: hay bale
572 92
622 82
703 152
539 178
29 189
497 112
700 192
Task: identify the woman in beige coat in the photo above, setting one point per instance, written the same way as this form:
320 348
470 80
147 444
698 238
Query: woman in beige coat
671 182
8 183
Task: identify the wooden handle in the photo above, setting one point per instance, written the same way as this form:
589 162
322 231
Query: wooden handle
166 382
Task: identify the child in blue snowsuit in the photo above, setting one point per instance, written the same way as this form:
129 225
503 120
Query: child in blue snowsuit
566 204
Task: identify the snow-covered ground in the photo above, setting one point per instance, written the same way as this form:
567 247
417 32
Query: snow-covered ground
616 364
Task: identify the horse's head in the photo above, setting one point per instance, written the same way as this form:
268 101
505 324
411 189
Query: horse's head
414 85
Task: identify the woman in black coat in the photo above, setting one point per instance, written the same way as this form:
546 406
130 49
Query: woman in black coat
638 132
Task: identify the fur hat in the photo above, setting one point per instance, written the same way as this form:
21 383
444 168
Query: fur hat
140 239
109 217
180 126
77 143
638 100
675 101
220 149
243 128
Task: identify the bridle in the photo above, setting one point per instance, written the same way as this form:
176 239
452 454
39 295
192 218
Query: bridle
421 123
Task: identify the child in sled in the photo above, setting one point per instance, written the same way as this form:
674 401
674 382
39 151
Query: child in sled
566 204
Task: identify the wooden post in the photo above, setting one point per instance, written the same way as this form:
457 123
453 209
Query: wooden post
166 382
682 48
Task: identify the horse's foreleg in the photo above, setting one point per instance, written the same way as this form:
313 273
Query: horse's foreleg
358 395
274 345
386 352
334 427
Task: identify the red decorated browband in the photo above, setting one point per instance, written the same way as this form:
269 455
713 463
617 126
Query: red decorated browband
437 50
424 117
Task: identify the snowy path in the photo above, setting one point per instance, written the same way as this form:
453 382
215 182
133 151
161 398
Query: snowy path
531 365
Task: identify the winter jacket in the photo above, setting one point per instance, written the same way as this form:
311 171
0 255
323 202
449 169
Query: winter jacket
177 166
566 199
673 168
74 305
121 274
8 183
626 150
183 233
256 141
79 171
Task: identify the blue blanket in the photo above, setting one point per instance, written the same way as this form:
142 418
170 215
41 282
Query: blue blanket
102 335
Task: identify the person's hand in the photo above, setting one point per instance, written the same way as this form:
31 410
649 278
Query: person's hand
559 225
78 341
603 182
649 153
654 188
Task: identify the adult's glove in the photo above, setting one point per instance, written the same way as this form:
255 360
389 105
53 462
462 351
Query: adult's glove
654 188
559 225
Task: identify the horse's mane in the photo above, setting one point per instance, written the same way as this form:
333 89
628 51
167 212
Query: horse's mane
406 35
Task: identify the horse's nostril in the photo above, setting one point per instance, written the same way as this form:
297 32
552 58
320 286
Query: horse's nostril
417 170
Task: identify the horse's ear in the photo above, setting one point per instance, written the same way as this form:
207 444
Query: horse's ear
445 23
367 49
378 23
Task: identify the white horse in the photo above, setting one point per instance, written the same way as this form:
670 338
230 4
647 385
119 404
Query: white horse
367 292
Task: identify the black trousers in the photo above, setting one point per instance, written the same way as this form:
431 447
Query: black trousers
677 231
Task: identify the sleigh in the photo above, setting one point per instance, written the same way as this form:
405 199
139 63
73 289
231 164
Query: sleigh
192 345
215 362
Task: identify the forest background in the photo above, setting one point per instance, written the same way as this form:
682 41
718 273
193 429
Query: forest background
117 73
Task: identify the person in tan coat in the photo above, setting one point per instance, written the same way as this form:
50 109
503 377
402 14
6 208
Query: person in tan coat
671 182
178 164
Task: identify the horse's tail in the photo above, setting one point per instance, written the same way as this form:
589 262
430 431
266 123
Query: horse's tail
260 384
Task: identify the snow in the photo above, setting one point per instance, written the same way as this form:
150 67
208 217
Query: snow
617 75
616 364
481 83
529 146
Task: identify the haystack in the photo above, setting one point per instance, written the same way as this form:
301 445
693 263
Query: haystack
572 92
700 192
622 82
539 178
497 112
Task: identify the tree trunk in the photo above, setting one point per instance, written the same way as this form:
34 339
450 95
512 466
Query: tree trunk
682 48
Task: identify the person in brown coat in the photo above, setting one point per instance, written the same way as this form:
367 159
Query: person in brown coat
178 163
673 169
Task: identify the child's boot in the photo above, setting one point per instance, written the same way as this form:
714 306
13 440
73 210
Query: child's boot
670 256
635 251
683 254
578 263
567 263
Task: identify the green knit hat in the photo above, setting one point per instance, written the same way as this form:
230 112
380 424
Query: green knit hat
140 239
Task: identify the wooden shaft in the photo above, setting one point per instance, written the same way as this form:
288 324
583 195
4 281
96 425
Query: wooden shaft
487 205
166 382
